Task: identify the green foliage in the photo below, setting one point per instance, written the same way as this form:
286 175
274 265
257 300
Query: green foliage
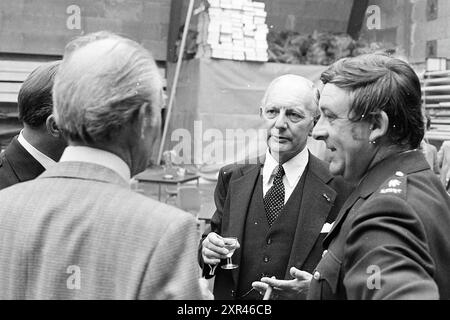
320 48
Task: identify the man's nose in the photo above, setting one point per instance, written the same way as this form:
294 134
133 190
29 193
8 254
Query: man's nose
281 122
320 132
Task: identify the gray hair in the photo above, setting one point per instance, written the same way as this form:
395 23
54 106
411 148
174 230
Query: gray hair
101 85
301 82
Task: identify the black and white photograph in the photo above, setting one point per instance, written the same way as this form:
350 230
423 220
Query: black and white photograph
225 155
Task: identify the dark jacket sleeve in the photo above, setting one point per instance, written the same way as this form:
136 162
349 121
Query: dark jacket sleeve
386 253
7 175
220 195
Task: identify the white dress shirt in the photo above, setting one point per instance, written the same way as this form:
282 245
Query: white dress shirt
293 169
97 156
44 160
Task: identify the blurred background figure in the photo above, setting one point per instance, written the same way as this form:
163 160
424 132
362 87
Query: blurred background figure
429 150
78 231
40 144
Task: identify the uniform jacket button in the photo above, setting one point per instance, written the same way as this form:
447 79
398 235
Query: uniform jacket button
266 259
324 253
316 275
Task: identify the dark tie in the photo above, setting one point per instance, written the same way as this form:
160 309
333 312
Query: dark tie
274 199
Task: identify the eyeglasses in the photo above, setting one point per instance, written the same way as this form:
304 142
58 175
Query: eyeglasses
293 115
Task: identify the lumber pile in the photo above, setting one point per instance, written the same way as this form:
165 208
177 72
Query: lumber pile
233 29
237 30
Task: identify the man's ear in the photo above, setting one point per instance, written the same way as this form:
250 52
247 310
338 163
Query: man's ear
52 128
379 126
142 119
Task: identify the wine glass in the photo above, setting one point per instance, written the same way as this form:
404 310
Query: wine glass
231 244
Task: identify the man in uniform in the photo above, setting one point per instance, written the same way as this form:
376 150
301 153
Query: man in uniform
391 238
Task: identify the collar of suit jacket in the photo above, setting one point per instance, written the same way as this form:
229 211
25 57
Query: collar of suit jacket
97 156
23 164
84 171
40 157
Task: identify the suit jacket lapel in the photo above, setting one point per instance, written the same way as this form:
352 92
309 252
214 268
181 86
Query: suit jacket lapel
408 161
341 216
24 165
240 196
313 213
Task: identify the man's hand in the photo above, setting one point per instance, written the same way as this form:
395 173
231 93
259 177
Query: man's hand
213 249
287 289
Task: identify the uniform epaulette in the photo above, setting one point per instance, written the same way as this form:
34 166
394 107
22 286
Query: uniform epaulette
395 185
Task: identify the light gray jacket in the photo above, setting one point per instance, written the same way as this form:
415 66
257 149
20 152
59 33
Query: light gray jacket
79 232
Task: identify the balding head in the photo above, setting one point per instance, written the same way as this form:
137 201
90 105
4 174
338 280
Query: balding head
292 89
288 109
103 82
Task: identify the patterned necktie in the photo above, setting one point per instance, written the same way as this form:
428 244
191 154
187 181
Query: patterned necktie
274 199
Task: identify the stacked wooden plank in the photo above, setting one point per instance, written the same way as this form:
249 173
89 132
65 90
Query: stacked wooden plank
234 30
436 99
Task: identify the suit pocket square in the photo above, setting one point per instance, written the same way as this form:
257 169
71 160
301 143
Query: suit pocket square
326 227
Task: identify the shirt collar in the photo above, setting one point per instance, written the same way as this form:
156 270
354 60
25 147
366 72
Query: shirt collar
43 159
293 168
97 156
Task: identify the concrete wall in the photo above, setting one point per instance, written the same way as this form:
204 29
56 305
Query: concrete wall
306 16
395 25
41 26
406 21
424 30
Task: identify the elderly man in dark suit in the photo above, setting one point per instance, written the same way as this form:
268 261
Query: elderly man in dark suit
78 231
279 208
40 144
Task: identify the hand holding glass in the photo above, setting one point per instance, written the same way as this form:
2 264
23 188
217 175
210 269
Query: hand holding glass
231 244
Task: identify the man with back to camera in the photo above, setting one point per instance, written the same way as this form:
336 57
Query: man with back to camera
78 231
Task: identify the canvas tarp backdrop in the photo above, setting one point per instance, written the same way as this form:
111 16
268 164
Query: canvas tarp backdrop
215 113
